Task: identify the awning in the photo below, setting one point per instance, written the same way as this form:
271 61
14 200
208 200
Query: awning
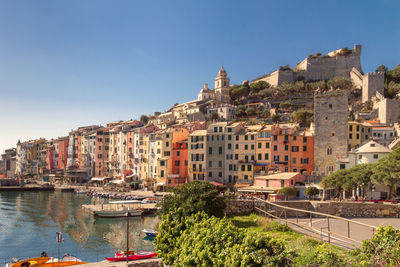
216 183
117 181
130 176
257 189
98 179
160 184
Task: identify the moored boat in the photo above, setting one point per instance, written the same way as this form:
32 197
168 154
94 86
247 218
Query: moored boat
117 213
150 233
138 256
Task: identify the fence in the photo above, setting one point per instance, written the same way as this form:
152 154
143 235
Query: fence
290 215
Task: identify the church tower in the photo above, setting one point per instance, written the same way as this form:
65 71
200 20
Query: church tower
222 87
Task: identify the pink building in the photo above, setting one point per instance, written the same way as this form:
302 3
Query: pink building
62 152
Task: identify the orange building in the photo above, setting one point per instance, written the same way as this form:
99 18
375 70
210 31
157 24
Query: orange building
292 150
179 164
62 152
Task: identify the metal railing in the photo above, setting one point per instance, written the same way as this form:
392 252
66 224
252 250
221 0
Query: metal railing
279 212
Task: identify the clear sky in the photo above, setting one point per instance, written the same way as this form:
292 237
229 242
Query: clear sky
70 63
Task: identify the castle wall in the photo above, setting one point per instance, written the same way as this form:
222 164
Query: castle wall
389 110
357 78
330 120
372 83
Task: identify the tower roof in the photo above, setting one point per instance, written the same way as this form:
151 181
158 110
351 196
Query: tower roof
222 71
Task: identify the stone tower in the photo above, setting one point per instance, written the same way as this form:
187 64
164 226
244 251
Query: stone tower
222 87
330 139
371 84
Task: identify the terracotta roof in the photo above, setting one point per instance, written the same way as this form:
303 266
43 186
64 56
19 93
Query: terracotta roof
279 175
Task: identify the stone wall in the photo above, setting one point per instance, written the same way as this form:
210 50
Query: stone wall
341 209
389 110
356 209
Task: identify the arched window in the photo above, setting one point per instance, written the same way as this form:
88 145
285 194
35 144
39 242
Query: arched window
329 151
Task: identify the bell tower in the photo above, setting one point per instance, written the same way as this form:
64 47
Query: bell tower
222 86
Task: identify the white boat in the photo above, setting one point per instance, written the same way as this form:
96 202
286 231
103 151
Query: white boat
118 213
125 202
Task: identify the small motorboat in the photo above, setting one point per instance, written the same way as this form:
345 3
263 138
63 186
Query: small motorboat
137 256
30 262
150 233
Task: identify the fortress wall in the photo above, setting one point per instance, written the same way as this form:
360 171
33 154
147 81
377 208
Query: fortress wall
372 83
389 110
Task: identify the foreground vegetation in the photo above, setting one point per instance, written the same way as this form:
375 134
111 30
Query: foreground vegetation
192 232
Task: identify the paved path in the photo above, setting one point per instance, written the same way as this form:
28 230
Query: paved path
357 232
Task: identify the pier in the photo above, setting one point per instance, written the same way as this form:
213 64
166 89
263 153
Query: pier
148 208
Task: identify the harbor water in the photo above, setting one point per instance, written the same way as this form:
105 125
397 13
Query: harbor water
29 222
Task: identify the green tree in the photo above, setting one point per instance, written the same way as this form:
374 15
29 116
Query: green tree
311 192
340 83
240 111
387 171
214 116
144 119
275 118
194 197
303 116
382 68
251 112
287 191
259 86
336 181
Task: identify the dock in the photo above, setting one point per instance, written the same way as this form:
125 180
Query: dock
148 208
26 188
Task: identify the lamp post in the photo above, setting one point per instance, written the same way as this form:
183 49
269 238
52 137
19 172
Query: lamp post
127 236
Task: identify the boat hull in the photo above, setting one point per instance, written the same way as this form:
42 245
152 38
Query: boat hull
133 257
117 213
32 261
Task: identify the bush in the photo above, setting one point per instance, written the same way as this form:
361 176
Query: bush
194 197
324 256
201 240
311 191
274 226
383 249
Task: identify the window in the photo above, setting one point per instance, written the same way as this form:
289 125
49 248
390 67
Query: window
259 145
266 156
229 130
246 147
210 174
286 147
194 167
330 106
260 135
236 156
294 138
252 147
294 160
329 151
246 137
252 137
194 176
162 173
304 148
276 158
178 153
229 146
359 156
237 137
220 163
249 168
275 138
210 150
350 127
246 177
220 174
220 129
210 163
286 137
236 146
215 129
267 145
358 128
229 136
375 156
200 167
342 166
282 183
358 136
275 148
259 156
295 149
267 183
167 144
286 158
230 167
177 163
162 163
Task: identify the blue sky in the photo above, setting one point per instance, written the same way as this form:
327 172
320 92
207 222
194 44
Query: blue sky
65 64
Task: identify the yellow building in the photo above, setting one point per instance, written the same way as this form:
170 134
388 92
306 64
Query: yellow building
358 134
245 151
197 155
